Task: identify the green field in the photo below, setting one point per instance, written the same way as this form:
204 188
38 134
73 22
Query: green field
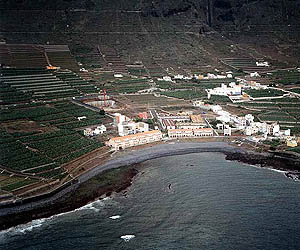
40 153
264 93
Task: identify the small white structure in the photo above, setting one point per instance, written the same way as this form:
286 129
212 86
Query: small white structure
81 118
88 132
167 79
142 127
254 74
216 108
275 129
249 119
100 130
227 131
211 76
118 75
97 131
220 126
262 64
119 119
178 77
287 132
198 103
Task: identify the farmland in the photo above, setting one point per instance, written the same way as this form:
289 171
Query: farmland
186 94
37 140
245 64
21 86
286 77
264 93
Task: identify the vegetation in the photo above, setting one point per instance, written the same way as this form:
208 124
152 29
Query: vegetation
185 94
264 93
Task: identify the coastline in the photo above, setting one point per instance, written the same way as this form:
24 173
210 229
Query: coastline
116 175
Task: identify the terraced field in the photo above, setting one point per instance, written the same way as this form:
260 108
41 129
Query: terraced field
285 111
40 56
17 86
264 93
186 94
245 64
286 77
36 140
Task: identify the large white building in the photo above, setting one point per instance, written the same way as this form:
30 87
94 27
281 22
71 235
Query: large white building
225 90
183 133
122 142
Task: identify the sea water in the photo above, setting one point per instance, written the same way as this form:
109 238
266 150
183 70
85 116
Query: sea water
195 201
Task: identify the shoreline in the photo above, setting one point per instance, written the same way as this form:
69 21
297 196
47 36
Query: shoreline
118 173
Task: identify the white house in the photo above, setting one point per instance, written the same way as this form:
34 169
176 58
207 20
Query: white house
254 74
262 64
81 118
167 78
142 127
100 130
227 131
127 128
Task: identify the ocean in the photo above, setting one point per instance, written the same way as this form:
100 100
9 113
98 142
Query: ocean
194 201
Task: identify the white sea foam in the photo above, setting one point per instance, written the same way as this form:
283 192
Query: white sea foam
277 170
127 237
88 206
37 223
272 169
115 217
28 227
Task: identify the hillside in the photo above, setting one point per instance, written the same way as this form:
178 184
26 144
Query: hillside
181 34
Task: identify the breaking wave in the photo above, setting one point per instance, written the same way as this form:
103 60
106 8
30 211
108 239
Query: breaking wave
115 217
28 227
127 237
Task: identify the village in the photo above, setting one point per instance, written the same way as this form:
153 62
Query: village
62 118
201 119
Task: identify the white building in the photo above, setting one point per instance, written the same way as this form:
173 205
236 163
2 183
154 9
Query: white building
167 79
225 90
262 64
227 130
168 124
126 128
97 131
254 74
249 119
118 143
189 125
178 77
119 119
142 127
184 133
215 108
81 118
100 130
198 103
